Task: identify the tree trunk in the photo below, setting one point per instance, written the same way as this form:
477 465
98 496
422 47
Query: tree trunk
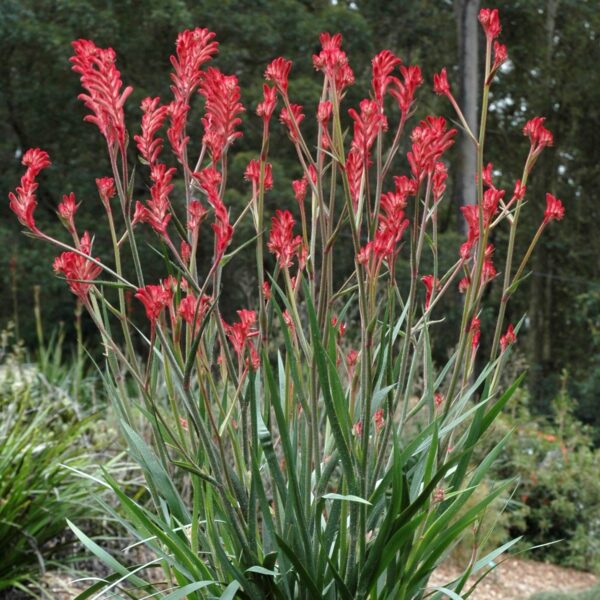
540 300
466 12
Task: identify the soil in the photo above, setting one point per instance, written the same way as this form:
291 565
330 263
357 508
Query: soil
517 579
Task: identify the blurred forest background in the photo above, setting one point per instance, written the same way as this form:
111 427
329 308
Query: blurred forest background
553 71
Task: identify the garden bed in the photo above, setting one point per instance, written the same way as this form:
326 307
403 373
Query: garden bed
517 579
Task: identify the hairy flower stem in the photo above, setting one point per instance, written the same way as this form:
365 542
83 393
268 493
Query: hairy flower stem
378 184
470 307
415 263
394 147
260 267
125 206
122 305
356 533
508 267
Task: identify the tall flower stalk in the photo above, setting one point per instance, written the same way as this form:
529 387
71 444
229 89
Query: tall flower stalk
311 447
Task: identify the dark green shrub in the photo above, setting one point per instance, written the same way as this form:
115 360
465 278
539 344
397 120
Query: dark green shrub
42 434
558 498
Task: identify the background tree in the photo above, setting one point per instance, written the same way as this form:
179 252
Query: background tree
467 33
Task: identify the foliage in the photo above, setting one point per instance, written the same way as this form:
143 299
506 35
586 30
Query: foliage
43 434
557 503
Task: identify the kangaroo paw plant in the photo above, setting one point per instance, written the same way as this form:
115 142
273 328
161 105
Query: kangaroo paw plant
309 447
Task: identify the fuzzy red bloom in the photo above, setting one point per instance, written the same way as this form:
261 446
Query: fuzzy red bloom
106 190
153 119
35 160
324 112
488 271
195 215
67 209
365 253
508 338
379 419
240 333
252 174
282 242
332 60
223 107
440 83
209 180
155 299
23 203
500 56
538 135
354 171
471 215
475 330
192 309
194 47
404 91
429 281
391 225
289 322
78 270
266 290
278 72
486 175
491 199
186 251
440 175
555 210
265 108
463 285
158 209
430 139
288 120
490 21
352 359
367 124
102 81
438 399
405 186
519 191
383 64
178 112
300 187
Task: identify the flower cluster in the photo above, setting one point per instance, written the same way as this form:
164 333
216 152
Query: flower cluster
102 81
333 62
78 270
153 119
209 180
157 211
193 49
430 139
23 203
240 336
282 242
155 299
223 106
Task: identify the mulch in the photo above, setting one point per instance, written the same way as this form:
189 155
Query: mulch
517 579
513 579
